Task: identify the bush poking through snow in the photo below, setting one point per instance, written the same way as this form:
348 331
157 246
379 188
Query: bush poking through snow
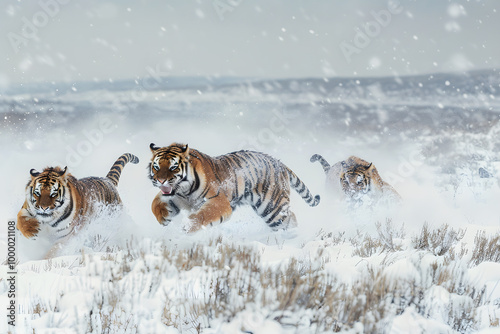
389 237
366 246
222 287
330 239
485 248
439 241
389 240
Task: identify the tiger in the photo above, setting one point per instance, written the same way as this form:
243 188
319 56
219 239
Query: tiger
210 188
63 203
359 181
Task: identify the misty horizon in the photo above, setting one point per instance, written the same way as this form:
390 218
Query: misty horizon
74 41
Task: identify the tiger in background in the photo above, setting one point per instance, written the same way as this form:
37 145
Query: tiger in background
63 203
359 181
211 187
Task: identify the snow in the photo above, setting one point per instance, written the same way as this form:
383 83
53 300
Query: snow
455 10
251 322
410 322
125 273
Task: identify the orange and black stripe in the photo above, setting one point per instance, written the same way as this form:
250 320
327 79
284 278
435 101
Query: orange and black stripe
116 170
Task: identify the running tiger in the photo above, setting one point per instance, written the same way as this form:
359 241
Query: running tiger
63 203
359 181
211 187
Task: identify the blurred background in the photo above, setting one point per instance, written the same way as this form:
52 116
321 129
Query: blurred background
74 40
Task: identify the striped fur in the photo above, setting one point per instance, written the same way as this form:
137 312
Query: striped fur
211 187
326 166
358 179
58 200
116 170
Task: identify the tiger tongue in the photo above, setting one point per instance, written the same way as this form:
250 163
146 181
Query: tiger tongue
166 189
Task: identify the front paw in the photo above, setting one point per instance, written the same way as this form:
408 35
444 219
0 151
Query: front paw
28 227
161 215
164 222
190 225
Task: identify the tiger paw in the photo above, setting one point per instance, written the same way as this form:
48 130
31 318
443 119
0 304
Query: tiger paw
165 222
161 215
190 225
160 212
28 227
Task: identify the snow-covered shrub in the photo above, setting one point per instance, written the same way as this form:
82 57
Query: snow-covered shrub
219 286
439 241
331 239
485 248
366 246
390 238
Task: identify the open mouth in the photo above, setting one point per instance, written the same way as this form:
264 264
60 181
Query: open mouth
45 214
167 189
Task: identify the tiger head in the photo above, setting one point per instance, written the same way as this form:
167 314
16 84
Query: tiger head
169 167
355 178
46 192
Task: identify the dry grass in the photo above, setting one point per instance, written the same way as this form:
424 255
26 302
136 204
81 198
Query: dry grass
38 308
440 241
494 321
390 238
217 281
297 288
485 248
330 239
366 246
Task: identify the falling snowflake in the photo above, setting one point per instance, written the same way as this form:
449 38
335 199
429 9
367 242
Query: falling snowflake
200 13
375 62
452 26
455 10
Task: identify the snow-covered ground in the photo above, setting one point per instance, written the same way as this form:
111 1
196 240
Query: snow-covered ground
430 266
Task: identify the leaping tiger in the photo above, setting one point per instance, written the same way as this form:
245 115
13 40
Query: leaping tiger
58 200
359 181
211 187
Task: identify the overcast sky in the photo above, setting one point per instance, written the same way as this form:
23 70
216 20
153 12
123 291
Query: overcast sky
101 40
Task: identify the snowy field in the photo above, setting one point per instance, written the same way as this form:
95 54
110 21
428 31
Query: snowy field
429 266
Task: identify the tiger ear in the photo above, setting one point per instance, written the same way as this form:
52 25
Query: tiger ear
344 164
62 172
185 149
153 147
34 173
371 170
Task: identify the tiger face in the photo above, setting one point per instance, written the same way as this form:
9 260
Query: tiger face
168 168
355 180
46 192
